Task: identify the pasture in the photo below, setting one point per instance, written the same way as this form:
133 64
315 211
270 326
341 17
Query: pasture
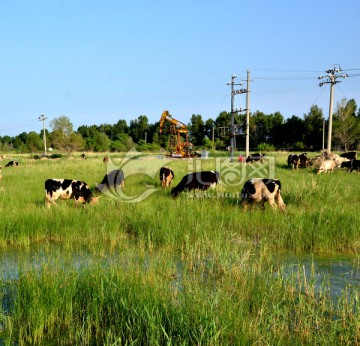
190 270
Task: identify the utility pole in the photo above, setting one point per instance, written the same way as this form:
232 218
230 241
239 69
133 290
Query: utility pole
232 127
331 78
43 118
213 143
247 140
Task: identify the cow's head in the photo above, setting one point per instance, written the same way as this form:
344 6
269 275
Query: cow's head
94 200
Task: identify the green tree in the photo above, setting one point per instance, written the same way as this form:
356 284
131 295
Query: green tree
34 142
259 128
138 127
292 133
346 125
62 136
313 126
209 128
222 130
196 129
123 142
119 128
101 142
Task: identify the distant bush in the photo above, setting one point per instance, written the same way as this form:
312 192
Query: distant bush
52 156
299 146
143 146
56 156
265 147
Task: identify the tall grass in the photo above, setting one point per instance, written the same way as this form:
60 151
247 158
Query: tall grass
219 301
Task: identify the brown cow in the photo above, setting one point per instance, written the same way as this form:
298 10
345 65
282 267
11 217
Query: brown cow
327 165
166 176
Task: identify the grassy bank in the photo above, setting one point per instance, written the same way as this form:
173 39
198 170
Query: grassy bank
194 270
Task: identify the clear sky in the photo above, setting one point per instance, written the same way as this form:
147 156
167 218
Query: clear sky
100 61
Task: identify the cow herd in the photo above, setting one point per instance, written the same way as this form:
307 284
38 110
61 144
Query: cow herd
326 162
255 190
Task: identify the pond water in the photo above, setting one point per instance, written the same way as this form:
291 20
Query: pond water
337 271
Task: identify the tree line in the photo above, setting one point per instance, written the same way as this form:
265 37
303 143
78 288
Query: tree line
267 132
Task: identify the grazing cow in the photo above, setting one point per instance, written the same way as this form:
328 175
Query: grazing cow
304 160
261 190
68 189
327 165
255 157
351 155
339 160
105 159
293 161
297 161
346 164
12 164
355 165
166 176
83 156
112 179
196 180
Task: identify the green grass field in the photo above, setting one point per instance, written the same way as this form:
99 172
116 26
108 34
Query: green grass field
193 270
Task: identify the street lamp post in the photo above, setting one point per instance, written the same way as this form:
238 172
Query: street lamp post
43 118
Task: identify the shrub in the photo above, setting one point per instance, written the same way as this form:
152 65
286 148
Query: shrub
265 147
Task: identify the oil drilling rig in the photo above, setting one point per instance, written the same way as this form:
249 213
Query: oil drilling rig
177 146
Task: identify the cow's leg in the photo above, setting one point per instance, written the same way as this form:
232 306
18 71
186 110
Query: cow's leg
272 202
49 200
262 204
245 205
280 201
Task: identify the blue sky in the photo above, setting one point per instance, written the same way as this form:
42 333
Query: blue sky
100 61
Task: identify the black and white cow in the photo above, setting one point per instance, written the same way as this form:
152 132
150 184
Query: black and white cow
166 176
12 164
304 160
68 189
346 164
355 165
197 180
112 179
261 190
351 155
296 161
293 161
255 157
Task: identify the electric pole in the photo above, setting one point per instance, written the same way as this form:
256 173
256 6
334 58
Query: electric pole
232 127
331 78
247 140
43 118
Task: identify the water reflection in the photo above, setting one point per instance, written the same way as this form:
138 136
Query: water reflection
337 272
